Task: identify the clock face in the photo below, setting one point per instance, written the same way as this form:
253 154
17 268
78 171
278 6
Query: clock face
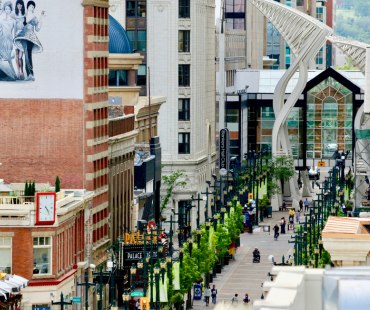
45 208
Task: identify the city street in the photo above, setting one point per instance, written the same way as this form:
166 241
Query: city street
242 275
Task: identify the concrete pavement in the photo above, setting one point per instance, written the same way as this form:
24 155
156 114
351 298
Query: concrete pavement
242 275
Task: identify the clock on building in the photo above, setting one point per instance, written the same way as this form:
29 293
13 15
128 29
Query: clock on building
45 208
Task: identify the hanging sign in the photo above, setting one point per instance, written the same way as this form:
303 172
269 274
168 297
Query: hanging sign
224 148
197 292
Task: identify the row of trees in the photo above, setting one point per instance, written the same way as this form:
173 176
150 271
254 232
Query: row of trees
199 261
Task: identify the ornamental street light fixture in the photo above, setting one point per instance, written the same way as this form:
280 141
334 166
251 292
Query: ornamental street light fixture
126 298
62 302
87 284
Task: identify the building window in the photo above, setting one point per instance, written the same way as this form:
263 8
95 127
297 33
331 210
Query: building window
235 14
118 78
42 255
300 2
184 41
184 75
184 8
137 39
141 75
6 254
184 143
184 109
136 8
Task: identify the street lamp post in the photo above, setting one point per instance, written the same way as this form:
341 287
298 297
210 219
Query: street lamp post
126 298
206 206
101 275
87 284
157 271
62 302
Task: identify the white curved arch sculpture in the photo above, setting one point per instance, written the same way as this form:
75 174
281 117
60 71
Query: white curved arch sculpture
357 51
353 49
305 36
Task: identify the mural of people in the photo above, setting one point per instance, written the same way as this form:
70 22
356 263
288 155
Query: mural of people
7 25
20 12
27 41
18 39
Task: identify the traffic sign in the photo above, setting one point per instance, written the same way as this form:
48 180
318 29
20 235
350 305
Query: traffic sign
137 294
76 299
321 164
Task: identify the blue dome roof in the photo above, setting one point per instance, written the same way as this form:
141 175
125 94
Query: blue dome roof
118 39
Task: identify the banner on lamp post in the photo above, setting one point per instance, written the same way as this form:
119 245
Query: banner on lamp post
224 148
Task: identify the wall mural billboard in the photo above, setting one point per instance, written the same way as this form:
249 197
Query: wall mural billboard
41 49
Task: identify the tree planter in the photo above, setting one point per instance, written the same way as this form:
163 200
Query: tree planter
210 276
214 272
226 259
218 268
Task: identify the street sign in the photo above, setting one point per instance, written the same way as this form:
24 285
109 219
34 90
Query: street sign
40 307
321 164
137 294
76 299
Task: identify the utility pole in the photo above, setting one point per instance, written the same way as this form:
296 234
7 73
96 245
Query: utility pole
87 284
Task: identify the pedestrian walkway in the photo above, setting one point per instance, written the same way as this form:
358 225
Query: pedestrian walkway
242 275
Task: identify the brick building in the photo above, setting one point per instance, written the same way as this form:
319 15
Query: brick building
56 122
51 256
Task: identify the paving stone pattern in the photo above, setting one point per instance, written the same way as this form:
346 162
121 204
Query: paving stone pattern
242 275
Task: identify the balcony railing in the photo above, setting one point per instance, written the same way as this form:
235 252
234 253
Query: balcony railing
16 200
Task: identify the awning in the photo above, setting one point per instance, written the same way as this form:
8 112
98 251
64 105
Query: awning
15 287
3 293
18 279
5 287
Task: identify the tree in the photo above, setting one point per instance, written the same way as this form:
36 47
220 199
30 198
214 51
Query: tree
33 189
282 169
204 255
57 185
26 188
171 181
362 7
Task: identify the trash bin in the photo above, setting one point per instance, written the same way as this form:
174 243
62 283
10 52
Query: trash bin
269 211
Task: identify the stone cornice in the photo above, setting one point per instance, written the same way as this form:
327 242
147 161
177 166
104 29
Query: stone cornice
98 3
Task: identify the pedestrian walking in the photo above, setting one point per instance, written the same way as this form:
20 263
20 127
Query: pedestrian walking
234 300
246 298
214 294
291 216
276 232
207 295
300 205
282 225
306 203
297 216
